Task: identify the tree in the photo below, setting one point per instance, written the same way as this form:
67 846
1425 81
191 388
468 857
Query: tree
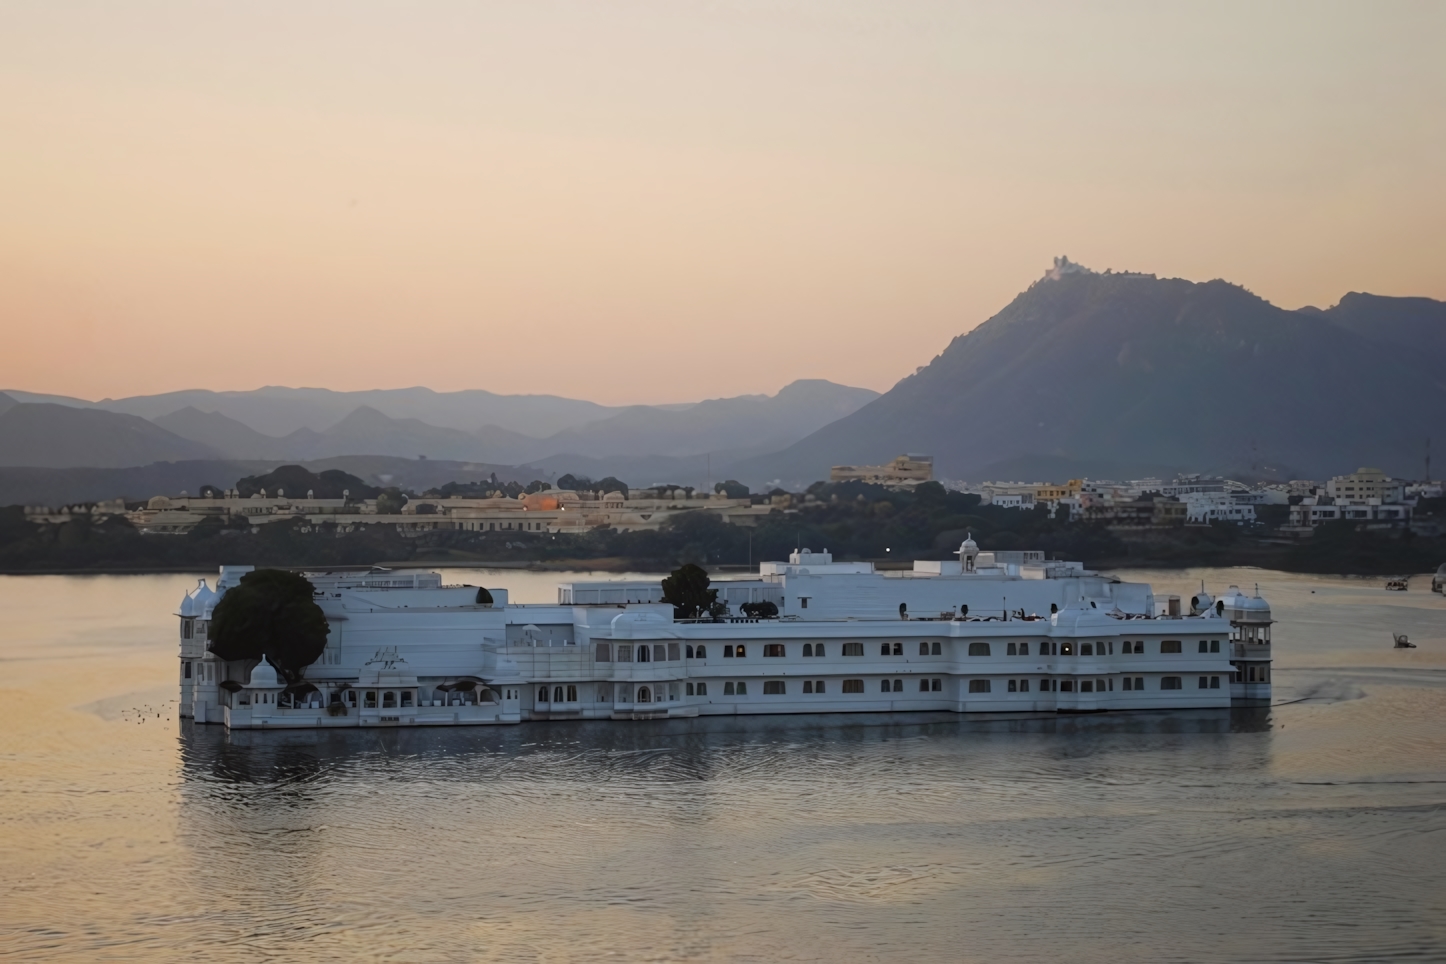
760 610
390 501
270 614
573 483
611 484
733 489
687 589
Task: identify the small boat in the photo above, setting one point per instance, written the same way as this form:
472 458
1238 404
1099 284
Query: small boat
1396 585
1402 642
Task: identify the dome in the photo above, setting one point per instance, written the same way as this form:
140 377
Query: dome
158 502
188 606
263 676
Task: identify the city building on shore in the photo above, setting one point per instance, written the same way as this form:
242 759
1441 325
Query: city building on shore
904 472
990 632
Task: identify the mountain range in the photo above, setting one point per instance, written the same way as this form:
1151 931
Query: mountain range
1128 368
1082 374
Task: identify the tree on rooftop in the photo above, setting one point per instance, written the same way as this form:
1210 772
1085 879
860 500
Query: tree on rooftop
732 489
687 589
390 501
271 613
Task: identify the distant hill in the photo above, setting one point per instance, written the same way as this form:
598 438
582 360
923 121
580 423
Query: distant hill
222 434
44 435
1125 368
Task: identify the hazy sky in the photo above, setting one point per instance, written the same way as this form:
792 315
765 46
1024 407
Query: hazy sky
664 201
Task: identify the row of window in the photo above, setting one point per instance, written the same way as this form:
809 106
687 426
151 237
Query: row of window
926 648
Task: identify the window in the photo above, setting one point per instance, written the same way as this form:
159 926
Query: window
407 698
808 649
978 649
853 685
727 652
741 653
979 686
923 686
188 628
853 649
1214 645
883 686
644 653
690 689
370 701
773 687
884 649
673 651
542 694
1169 646
1204 681
818 649
702 652
1169 682
1214 682
1204 646
1024 686
923 649
625 653
688 652
604 652
351 698
803 601
808 686
572 694
772 649
937 685
936 649
818 686
702 689
898 649
644 695
1128 683
1011 650
1013 686
1086 649
898 686
742 688
1068 649
187 665
1065 686
1088 686
1139 682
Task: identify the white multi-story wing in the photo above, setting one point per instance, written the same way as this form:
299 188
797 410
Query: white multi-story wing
991 633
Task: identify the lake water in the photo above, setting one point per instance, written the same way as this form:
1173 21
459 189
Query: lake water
1312 830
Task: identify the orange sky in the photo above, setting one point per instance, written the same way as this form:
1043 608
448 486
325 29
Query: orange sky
664 201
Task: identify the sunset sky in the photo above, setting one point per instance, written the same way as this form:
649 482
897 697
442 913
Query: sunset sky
665 201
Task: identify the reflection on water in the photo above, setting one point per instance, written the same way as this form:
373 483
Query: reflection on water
1310 830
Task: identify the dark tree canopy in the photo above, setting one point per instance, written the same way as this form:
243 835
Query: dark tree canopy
760 610
271 613
581 483
687 589
297 481
390 501
733 489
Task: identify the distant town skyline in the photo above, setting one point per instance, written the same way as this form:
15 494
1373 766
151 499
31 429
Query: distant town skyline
646 202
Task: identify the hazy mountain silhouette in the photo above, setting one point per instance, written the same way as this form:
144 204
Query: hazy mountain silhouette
1130 368
58 436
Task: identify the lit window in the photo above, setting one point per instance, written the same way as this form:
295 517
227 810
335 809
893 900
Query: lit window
774 687
979 686
853 649
1067 650
853 685
741 653
978 649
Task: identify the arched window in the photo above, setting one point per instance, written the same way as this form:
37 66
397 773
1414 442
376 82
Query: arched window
978 649
923 648
898 686
542 694
702 689
807 651
690 689
688 653
884 686
702 652
660 653
1067 649
728 689
644 695
808 686
572 694
741 652
557 694
643 653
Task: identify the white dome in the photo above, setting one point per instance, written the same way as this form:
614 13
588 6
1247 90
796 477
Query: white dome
188 606
263 676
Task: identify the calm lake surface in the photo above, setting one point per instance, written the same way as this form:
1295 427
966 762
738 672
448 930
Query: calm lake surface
1311 830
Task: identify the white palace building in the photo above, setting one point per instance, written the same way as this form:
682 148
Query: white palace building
1002 632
